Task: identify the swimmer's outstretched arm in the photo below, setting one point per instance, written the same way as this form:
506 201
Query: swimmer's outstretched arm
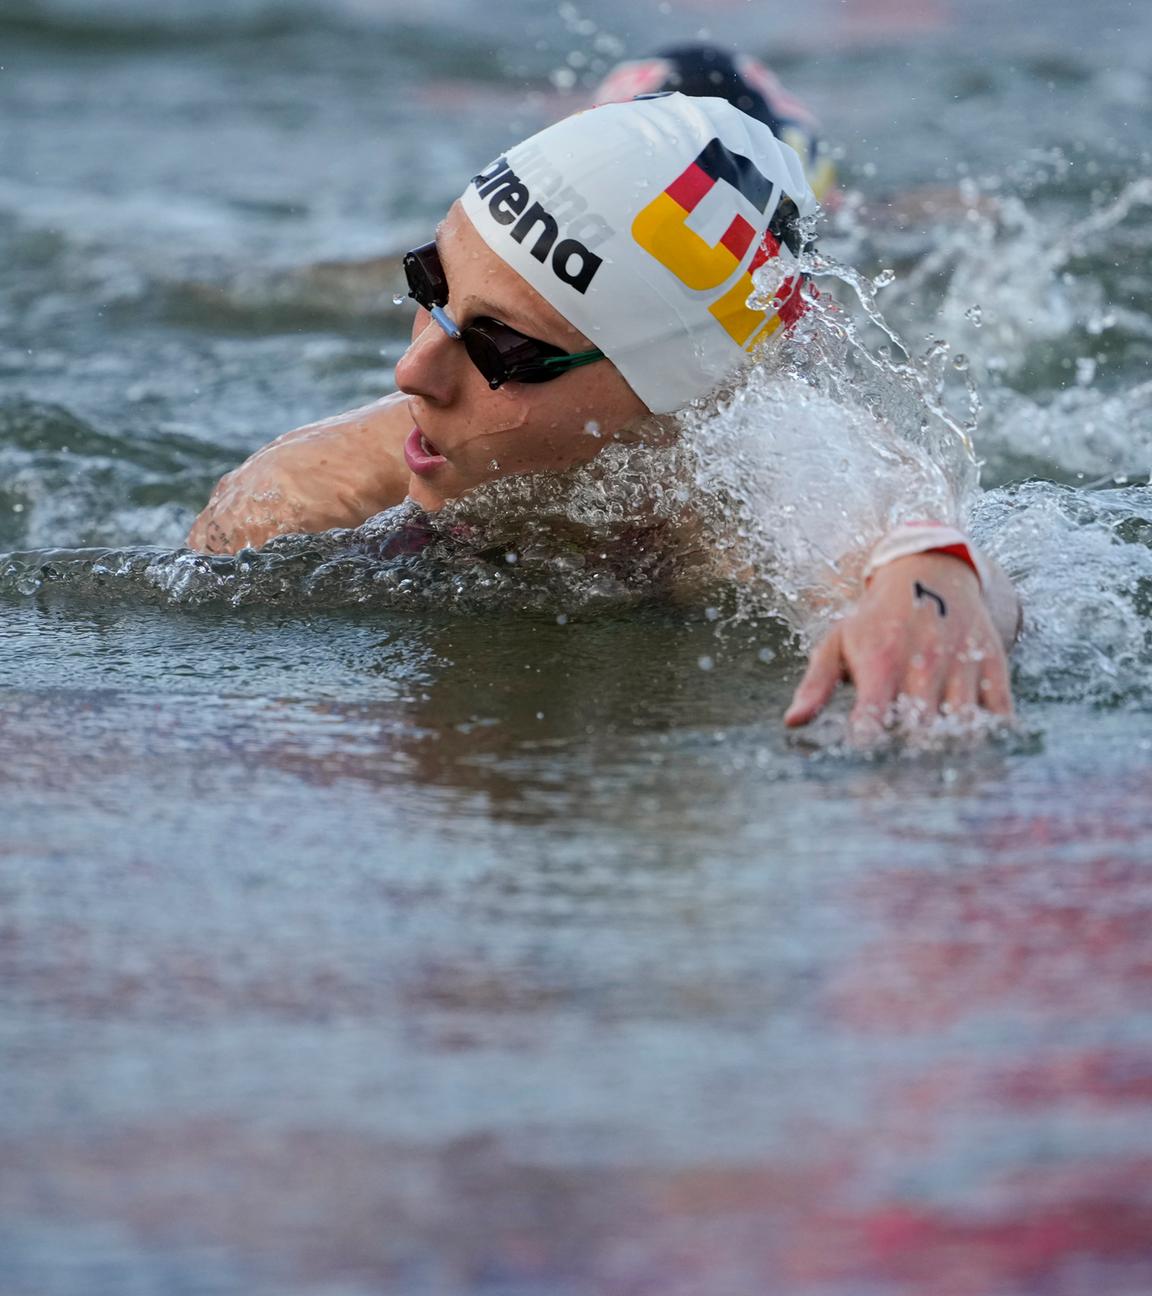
336 473
923 629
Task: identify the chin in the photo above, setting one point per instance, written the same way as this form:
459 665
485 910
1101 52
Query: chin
430 498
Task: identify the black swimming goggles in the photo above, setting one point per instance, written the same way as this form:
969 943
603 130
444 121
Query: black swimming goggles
500 353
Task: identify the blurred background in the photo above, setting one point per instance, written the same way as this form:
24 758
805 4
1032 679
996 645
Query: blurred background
361 950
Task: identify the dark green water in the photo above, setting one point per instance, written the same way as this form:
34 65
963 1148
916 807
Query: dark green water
420 948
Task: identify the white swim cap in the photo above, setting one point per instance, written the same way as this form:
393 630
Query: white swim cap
712 71
641 223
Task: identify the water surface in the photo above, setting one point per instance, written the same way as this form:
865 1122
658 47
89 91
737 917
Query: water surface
417 946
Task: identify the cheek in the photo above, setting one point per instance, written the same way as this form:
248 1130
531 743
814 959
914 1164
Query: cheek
547 436
548 427
493 420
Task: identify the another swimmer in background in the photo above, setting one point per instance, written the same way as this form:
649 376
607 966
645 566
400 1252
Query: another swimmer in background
566 287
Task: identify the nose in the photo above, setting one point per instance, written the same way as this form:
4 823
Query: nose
431 366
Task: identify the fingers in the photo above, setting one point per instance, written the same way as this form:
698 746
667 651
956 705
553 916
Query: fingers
995 691
824 672
926 679
961 692
980 679
877 684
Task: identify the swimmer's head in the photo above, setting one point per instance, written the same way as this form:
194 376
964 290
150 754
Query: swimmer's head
629 230
641 223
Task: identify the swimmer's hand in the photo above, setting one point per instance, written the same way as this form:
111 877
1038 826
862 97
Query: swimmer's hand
922 631
337 473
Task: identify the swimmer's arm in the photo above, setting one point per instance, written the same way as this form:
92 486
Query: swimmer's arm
335 473
923 629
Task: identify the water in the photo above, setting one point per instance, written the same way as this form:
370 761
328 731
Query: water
376 922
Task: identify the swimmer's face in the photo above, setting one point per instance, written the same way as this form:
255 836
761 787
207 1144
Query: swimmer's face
474 433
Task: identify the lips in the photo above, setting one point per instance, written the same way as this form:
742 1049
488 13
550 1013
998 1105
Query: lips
421 455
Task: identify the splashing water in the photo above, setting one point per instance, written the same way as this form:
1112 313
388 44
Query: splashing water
771 494
570 540
1082 564
839 438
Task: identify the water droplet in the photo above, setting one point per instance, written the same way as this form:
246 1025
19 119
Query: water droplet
884 278
562 619
592 428
975 316
767 655
398 299
705 663
511 558
494 464
1085 371
713 614
960 362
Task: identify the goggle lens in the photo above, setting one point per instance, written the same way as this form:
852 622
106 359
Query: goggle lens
426 281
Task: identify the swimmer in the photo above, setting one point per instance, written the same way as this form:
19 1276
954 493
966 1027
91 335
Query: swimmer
566 287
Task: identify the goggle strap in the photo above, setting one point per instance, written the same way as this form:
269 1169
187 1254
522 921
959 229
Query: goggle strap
575 361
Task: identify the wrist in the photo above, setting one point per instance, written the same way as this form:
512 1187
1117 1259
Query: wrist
921 538
936 564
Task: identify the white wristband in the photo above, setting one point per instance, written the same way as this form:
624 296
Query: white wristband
926 537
